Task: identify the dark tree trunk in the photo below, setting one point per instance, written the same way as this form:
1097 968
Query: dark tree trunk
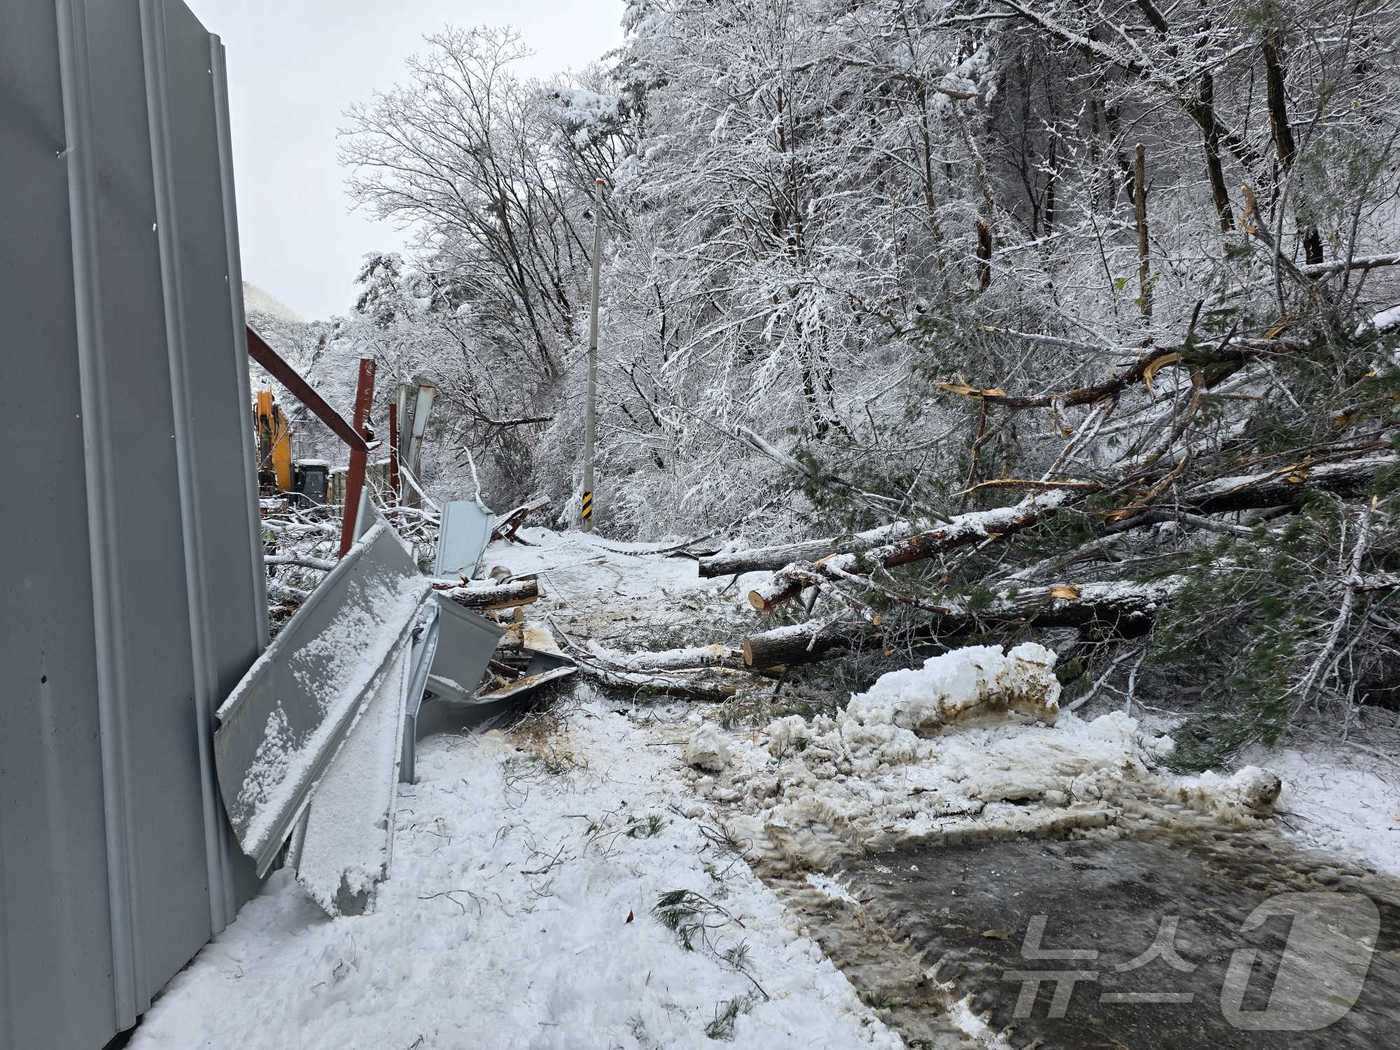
1202 110
1283 137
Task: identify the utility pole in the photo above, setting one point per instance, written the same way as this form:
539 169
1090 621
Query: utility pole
590 407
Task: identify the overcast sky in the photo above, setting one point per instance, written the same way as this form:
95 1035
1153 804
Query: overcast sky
294 66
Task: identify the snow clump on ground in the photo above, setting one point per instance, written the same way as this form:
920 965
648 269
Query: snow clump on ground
971 743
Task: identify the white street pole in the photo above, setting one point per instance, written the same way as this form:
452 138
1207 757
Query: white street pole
590 408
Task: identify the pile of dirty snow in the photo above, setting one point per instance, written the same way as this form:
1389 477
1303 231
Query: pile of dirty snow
972 742
977 679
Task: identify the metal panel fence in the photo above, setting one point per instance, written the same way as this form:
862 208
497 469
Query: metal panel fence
133 591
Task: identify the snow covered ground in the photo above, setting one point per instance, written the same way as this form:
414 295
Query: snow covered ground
521 912
1341 797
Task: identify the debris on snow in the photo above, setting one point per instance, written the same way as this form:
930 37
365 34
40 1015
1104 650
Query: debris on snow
281 725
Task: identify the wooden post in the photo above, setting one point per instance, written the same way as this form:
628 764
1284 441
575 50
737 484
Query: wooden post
359 457
1140 205
394 450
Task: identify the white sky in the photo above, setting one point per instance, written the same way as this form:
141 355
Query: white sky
293 68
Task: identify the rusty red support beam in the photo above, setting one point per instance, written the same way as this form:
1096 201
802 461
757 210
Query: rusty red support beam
394 450
288 376
359 457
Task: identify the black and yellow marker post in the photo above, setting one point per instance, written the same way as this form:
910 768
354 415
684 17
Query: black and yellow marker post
586 509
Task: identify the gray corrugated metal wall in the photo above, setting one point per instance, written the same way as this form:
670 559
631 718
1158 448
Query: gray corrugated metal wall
133 592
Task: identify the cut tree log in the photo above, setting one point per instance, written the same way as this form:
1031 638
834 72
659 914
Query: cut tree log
503 596
715 684
766 559
1126 608
685 659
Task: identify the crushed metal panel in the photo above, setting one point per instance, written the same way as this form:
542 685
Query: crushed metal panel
449 708
548 663
466 529
425 643
348 842
465 644
285 720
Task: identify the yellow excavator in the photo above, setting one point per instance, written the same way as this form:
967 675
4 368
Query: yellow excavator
274 445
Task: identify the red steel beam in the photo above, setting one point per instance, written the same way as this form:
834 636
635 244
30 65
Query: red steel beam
359 457
285 374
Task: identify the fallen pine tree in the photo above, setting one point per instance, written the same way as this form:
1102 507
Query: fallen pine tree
1236 506
961 531
1285 486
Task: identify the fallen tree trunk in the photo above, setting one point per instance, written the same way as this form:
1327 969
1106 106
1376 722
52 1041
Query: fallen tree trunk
1232 351
715 684
1126 608
961 531
766 559
685 659
503 596
1379 581
289 595
304 561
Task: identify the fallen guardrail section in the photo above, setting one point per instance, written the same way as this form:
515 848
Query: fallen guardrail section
284 722
313 742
